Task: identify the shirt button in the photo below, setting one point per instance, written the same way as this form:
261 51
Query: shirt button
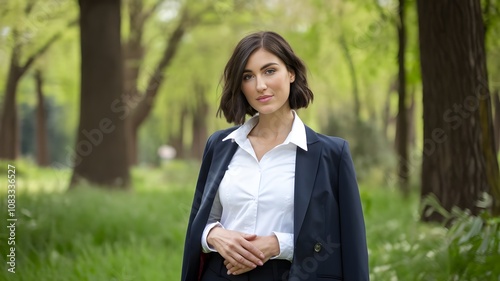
317 247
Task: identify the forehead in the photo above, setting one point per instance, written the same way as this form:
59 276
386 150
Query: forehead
262 57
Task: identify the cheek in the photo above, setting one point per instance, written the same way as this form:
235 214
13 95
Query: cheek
246 92
247 88
282 82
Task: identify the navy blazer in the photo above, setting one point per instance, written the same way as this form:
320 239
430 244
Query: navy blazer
329 229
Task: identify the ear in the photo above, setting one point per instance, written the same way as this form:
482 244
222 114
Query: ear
292 76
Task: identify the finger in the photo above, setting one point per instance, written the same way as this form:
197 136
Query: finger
248 259
242 261
229 266
237 271
248 236
241 257
232 257
252 253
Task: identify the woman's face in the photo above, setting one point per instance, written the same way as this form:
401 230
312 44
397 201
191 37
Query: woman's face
266 83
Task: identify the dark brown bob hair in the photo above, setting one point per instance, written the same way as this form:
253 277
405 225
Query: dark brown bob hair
233 103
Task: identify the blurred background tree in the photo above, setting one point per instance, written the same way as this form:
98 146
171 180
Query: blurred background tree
363 58
24 39
100 153
459 160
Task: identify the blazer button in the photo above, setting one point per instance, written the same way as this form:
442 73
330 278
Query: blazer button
317 247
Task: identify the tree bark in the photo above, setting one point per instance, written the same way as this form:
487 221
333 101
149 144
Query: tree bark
200 133
459 159
496 123
42 146
100 155
133 52
401 119
9 127
388 119
177 140
412 131
141 104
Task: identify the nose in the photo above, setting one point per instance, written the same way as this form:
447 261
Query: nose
261 84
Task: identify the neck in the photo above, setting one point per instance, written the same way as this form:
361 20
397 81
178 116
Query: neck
274 125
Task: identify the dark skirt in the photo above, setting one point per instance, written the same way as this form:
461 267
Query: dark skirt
272 270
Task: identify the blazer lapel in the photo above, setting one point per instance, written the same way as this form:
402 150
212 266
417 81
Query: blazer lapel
306 167
223 153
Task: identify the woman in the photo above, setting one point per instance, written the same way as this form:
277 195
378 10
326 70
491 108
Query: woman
274 200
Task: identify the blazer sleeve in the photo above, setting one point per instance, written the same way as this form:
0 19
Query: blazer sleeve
192 253
352 227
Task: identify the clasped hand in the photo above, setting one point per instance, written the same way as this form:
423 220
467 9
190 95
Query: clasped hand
242 252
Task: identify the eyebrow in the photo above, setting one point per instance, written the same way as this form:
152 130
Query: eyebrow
264 66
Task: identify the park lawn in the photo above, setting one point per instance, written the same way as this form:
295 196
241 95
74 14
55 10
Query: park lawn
93 234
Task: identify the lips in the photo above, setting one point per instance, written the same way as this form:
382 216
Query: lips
264 98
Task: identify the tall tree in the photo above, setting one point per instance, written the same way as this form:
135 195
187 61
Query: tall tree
134 52
42 146
459 159
9 127
176 137
140 103
199 122
496 123
402 117
100 155
352 69
32 17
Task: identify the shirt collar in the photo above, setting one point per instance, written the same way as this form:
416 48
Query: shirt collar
296 136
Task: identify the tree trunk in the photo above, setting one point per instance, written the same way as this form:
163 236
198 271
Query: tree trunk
412 131
42 146
131 142
133 55
177 140
100 155
143 103
9 127
354 80
401 119
199 127
496 123
459 160
388 119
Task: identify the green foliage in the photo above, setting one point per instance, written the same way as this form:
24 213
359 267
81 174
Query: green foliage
370 149
312 28
472 242
400 246
475 247
93 234
90 234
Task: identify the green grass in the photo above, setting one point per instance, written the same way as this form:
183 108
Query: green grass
92 234
400 247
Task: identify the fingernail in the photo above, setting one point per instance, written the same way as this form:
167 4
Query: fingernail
260 263
228 272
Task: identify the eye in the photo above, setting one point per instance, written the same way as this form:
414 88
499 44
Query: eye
247 77
270 71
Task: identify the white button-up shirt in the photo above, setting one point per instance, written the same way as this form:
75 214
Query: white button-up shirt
255 196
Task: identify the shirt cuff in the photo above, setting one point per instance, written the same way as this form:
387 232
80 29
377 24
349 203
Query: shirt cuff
204 243
285 241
